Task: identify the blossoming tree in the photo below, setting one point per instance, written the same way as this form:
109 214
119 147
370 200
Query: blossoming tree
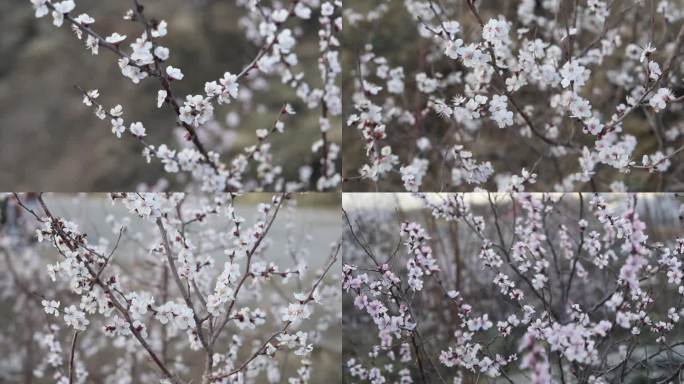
187 290
548 95
274 27
527 288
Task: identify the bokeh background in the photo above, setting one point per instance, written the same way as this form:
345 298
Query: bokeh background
50 141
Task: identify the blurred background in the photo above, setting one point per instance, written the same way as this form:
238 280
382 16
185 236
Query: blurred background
377 218
50 141
392 32
305 229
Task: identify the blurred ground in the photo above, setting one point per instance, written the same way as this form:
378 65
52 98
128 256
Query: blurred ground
50 141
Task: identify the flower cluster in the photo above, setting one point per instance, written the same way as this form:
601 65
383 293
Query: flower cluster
156 288
422 262
547 89
275 30
572 287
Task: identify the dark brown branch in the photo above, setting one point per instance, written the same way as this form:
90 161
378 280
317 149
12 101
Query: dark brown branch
72 374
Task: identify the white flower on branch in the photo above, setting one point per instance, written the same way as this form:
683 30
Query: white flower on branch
137 129
115 38
60 9
51 307
174 73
